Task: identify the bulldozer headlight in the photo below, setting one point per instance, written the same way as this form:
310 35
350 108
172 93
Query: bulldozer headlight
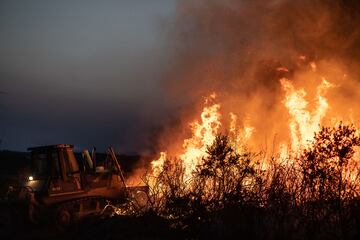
31 178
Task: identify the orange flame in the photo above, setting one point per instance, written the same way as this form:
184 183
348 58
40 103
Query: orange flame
304 123
203 135
194 148
158 165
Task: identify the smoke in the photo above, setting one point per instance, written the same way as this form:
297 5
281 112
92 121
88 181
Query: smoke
236 48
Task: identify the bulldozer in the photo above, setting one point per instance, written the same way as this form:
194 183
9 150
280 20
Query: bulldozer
65 189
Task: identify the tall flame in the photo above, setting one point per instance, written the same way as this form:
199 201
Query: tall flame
203 135
303 123
194 148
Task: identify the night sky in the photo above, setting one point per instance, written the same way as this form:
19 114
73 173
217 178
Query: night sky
83 72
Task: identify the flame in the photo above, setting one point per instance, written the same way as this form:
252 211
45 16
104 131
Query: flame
194 148
238 135
158 164
304 123
203 135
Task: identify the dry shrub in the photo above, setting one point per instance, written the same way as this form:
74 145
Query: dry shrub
315 197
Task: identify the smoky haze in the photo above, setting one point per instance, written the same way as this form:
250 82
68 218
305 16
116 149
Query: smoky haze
134 73
218 42
82 72
235 48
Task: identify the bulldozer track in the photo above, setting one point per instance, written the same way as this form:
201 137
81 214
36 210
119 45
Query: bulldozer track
71 211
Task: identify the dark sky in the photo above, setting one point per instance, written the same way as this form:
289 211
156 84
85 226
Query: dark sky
82 72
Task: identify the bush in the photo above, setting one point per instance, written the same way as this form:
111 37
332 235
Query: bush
314 198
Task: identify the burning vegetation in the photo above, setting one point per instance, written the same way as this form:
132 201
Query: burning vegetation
311 181
267 145
272 151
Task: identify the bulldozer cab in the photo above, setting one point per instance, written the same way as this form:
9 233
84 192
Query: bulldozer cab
57 165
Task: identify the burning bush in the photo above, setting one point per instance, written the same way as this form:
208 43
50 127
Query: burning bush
225 176
317 191
327 167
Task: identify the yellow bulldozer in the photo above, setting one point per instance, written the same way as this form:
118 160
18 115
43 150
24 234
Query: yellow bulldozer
65 189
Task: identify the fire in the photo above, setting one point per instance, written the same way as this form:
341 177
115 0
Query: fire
158 165
304 118
303 123
203 135
194 148
238 135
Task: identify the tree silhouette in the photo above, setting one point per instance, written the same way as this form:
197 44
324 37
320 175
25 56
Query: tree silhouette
225 174
324 163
